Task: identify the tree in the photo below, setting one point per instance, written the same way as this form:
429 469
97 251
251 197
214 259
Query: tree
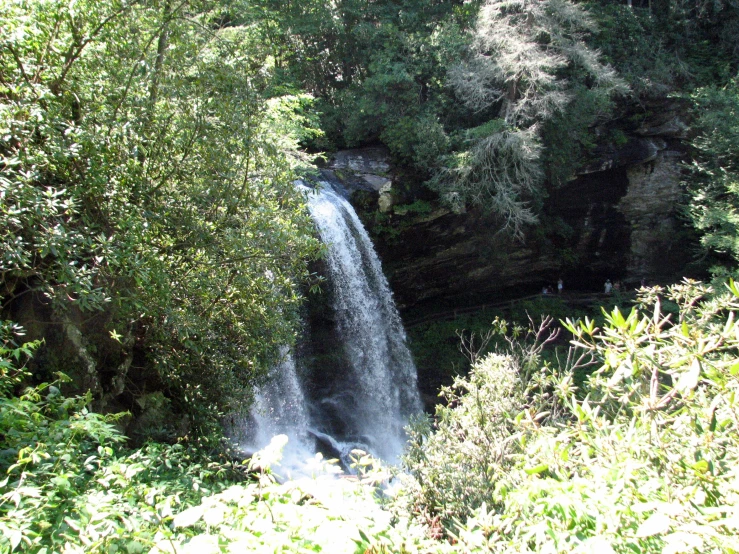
714 174
147 192
525 62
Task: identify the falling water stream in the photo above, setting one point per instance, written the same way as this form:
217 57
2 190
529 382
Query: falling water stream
370 400
280 408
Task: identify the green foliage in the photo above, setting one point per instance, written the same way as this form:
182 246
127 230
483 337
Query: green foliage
714 174
437 346
645 462
569 133
68 486
400 100
418 207
529 65
147 173
665 45
12 353
631 41
457 461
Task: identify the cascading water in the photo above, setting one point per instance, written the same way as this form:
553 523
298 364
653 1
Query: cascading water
366 402
280 408
377 394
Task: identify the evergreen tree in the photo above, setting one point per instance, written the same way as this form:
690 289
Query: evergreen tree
527 59
713 178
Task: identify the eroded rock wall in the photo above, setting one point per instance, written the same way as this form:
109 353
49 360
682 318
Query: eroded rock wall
659 247
618 219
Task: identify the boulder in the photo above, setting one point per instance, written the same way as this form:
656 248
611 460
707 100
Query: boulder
386 201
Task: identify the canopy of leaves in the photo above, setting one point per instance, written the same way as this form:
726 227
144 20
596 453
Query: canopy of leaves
147 174
714 175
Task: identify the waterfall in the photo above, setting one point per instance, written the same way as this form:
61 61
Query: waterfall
367 400
280 408
378 392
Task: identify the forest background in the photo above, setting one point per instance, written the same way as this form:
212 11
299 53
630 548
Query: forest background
155 251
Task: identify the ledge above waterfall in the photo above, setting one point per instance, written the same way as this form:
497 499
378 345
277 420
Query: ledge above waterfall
373 160
363 168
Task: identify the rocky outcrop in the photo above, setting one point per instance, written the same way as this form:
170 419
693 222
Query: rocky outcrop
650 205
363 168
444 259
373 161
618 219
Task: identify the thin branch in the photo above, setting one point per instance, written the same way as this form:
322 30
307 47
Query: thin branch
220 294
134 68
185 154
42 57
22 69
77 47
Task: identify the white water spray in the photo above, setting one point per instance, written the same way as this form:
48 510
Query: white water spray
280 408
379 392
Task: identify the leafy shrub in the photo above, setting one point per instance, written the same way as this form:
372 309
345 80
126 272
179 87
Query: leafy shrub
69 486
147 182
457 465
645 462
418 207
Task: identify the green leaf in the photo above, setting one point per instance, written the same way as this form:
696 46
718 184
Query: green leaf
733 288
364 536
537 469
15 539
134 547
701 466
617 319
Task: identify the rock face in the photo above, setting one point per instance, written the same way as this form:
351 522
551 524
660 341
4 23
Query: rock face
372 161
657 246
363 168
617 219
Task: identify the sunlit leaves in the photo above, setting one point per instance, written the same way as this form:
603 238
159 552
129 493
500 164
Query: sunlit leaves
148 174
645 462
70 487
